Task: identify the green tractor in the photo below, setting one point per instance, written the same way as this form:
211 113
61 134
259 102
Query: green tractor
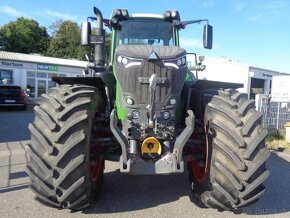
145 110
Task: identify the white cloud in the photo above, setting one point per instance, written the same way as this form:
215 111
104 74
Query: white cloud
12 12
186 42
261 10
60 15
274 6
208 3
239 6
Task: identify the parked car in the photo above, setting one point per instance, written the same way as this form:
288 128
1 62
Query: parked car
13 96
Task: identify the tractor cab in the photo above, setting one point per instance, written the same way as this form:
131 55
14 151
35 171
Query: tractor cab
150 29
138 29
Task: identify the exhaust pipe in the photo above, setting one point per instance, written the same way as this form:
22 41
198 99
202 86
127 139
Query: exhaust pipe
100 33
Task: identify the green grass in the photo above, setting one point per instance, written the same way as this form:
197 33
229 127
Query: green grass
277 141
275 136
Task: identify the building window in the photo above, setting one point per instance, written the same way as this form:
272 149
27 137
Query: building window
50 75
6 76
30 74
39 82
51 84
31 87
41 75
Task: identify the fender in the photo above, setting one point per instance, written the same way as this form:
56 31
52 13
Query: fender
104 81
208 84
101 79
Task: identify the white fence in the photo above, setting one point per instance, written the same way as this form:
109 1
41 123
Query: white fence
275 114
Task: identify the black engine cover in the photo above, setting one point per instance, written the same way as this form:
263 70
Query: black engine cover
134 80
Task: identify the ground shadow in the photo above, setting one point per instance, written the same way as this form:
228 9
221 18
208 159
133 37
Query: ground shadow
276 199
11 109
14 124
122 192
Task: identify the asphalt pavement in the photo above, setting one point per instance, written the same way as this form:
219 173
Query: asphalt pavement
124 195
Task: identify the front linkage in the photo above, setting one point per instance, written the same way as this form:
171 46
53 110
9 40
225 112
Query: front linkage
170 162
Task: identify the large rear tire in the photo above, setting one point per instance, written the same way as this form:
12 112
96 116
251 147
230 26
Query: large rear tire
233 169
62 169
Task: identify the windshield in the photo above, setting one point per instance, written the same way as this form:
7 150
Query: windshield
145 32
9 90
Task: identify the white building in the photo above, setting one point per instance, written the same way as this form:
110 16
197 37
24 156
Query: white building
255 80
34 72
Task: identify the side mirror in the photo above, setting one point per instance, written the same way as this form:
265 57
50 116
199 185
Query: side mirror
207 36
85 33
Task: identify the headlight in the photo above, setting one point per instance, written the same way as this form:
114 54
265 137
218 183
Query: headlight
128 62
166 115
130 101
176 63
172 101
124 13
173 14
183 60
119 59
125 61
135 114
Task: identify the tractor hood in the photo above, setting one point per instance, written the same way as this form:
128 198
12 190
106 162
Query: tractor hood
144 51
149 81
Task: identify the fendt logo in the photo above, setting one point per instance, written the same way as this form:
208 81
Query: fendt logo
159 80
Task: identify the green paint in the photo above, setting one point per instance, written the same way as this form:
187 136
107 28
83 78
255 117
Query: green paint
113 45
121 112
176 37
187 77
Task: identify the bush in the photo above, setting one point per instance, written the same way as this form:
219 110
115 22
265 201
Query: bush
275 136
277 141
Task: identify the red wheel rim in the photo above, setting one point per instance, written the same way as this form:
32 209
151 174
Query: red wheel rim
96 168
96 164
198 170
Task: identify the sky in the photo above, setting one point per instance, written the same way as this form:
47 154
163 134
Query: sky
252 32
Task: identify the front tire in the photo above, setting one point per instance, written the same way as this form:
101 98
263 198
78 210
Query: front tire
235 153
60 166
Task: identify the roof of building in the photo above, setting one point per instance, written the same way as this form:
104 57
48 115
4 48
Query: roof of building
237 63
33 58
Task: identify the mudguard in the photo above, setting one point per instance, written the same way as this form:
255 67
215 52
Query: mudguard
208 84
100 79
91 81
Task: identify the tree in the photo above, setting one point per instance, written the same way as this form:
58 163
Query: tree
24 36
65 41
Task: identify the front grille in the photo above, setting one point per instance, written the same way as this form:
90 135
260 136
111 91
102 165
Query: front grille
129 80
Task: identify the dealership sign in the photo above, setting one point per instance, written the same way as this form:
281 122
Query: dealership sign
47 67
280 89
11 64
